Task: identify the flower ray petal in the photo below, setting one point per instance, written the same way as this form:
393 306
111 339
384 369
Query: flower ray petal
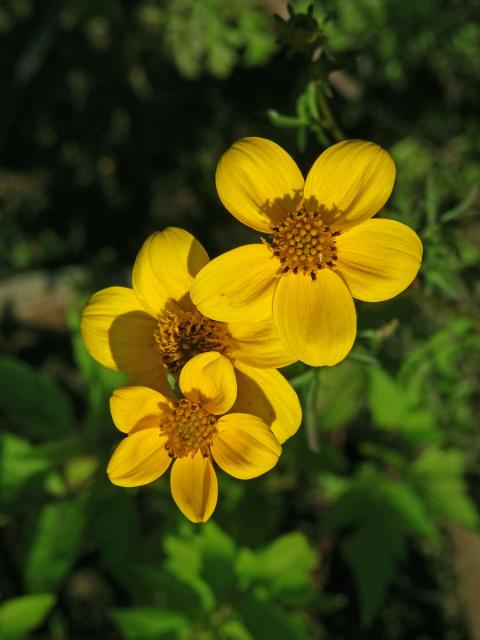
139 459
132 407
378 259
118 332
258 344
155 378
244 446
351 180
315 318
209 379
194 487
265 393
258 182
164 269
237 285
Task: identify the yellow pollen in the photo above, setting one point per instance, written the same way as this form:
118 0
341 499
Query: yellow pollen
180 337
304 243
190 428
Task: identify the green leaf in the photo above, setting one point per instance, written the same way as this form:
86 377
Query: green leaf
234 630
19 462
374 549
265 620
148 623
21 615
114 526
182 554
33 400
386 399
183 594
420 426
372 558
285 566
218 553
438 477
79 471
184 560
53 544
340 395
383 514
410 509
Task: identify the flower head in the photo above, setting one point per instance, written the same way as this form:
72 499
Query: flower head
322 247
153 329
189 433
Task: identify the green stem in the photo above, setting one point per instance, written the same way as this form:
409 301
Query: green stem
327 119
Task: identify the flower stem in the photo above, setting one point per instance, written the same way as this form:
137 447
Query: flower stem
327 119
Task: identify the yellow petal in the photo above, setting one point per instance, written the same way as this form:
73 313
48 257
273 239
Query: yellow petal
209 379
118 332
265 393
165 267
139 459
194 486
154 378
238 285
258 182
135 407
352 180
258 344
315 318
244 446
378 258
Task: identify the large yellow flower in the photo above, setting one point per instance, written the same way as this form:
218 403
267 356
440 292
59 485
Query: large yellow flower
154 329
323 247
190 432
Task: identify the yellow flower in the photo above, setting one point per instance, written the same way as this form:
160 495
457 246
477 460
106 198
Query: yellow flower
190 432
154 328
323 248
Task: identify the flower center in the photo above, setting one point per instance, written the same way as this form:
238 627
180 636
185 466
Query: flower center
304 243
190 428
180 337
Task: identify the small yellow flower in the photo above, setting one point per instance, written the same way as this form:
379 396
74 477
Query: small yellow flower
190 432
153 329
323 247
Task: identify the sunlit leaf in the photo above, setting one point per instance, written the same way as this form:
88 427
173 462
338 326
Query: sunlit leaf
149 623
285 566
19 616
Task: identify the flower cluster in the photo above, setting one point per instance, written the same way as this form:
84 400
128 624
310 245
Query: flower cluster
222 328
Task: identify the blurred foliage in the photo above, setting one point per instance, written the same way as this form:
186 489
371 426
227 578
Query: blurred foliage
113 117
211 35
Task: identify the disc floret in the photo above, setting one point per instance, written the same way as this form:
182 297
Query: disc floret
180 337
304 243
188 429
